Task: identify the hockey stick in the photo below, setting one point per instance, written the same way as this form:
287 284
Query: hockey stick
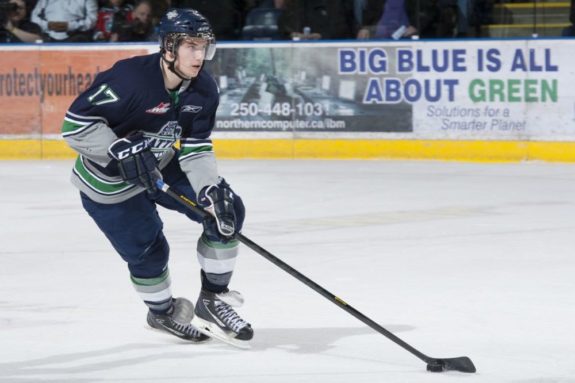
462 364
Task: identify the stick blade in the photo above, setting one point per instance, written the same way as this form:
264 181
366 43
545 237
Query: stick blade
461 364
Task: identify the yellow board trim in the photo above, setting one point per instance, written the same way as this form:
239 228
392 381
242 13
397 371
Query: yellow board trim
541 26
529 6
482 151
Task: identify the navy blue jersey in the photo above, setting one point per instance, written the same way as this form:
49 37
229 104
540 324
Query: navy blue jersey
129 97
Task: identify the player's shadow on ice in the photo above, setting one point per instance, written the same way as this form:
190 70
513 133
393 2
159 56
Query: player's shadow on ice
52 368
297 340
312 340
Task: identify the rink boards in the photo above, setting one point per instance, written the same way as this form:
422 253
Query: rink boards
469 100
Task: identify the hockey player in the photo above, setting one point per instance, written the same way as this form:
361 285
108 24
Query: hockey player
124 128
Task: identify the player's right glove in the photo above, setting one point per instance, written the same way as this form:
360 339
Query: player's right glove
218 200
136 162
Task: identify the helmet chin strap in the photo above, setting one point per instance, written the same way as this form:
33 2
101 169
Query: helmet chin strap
172 68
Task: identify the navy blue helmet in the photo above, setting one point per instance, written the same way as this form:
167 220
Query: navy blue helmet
179 23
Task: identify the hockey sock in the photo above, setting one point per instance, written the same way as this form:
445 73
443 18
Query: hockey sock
216 283
155 292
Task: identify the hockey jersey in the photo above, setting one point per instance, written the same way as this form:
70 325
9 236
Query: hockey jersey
131 96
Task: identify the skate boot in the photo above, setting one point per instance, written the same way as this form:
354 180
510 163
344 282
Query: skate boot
177 321
216 318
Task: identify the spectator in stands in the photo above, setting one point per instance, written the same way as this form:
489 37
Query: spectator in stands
226 16
381 19
448 18
140 27
569 31
358 8
266 4
463 17
394 22
406 18
371 12
111 15
318 19
66 20
159 9
262 20
480 14
17 27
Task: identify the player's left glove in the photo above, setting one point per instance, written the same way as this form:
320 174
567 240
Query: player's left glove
136 162
218 200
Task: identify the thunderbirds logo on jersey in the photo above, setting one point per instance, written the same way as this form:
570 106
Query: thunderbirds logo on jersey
191 109
165 138
162 108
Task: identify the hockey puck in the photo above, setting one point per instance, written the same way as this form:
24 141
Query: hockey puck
435 367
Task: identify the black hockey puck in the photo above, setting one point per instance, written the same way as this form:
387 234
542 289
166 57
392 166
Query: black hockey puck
435 367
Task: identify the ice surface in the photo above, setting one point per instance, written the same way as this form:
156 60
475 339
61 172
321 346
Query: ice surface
456 259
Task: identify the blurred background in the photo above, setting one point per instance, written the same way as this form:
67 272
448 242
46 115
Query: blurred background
233 20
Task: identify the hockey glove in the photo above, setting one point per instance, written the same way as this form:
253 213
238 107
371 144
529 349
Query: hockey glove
218 200
136 162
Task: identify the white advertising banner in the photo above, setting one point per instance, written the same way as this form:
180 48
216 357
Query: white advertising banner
455 89
515 89
519 90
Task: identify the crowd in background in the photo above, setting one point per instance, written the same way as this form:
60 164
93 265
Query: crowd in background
136 20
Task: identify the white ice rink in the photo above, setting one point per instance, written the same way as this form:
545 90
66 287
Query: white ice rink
454 258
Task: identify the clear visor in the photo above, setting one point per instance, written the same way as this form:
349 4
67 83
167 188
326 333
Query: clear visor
210 50
205 45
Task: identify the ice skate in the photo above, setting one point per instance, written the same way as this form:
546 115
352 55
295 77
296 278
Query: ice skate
216 318
177 321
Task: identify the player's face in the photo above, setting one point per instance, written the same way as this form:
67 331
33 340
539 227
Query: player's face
191 54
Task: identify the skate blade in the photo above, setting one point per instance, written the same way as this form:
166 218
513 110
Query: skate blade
213 331
174 337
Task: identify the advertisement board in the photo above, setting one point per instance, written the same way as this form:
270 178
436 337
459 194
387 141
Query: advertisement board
512 90
406 99
38 83
303 88
454 90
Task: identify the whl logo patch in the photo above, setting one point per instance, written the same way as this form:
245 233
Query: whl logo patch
162 108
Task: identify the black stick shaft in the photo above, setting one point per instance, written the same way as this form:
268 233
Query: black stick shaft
300 277
462 364
331 297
